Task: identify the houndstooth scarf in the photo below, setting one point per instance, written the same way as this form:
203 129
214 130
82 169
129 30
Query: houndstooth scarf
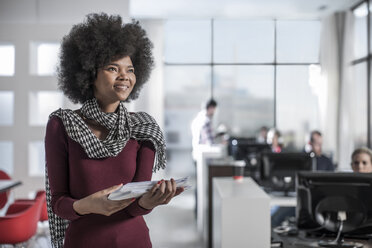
122 126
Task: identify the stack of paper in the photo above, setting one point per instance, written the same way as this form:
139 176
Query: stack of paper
136 189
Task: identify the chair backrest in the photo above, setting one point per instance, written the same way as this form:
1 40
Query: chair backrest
20 222
4 195
44 210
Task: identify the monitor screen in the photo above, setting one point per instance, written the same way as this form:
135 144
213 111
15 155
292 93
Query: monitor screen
324 199
249 150
278 170
244 148
241 148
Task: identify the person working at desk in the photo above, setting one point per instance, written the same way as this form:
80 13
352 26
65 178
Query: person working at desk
93 151
323 163
361 160
274 140
262 135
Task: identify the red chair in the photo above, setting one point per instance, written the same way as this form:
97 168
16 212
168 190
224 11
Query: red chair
4 196
44 211
20 222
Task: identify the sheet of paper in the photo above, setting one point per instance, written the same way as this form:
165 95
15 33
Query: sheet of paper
136 189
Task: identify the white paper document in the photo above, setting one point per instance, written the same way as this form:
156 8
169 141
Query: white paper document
136 189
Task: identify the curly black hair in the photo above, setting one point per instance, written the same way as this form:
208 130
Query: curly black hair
93 44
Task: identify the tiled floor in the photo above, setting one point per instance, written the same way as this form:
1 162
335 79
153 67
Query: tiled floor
171 226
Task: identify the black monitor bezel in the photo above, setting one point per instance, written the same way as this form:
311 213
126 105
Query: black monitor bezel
267 177
305 217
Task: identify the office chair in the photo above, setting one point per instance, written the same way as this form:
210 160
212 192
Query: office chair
4 196
43 225
20 222
43 211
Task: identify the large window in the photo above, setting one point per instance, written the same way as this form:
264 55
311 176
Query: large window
7 55
245 95
361 63
186 88
255 70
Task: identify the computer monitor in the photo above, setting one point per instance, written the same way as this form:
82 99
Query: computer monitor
278 170
249 150
334 202
242 148
239 147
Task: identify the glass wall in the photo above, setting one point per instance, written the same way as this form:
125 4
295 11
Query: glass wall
245 96
186 88
297 104
257 71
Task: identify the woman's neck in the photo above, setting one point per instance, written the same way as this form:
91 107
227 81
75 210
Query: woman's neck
108 107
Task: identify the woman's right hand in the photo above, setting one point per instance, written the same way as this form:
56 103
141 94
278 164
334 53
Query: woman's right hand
98 203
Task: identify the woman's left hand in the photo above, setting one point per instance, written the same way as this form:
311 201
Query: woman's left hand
160 194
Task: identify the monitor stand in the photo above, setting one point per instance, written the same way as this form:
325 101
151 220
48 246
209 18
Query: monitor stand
339 242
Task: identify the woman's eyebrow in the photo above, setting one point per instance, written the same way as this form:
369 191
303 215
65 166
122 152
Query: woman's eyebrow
129 66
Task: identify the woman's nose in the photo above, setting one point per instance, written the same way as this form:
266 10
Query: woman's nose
122 75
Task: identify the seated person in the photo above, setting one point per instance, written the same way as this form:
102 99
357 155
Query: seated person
274 140
361 160
262 135
279 214
323 163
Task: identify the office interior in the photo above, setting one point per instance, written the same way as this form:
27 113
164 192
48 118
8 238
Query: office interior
292 65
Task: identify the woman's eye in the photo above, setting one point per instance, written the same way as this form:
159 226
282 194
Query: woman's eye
131 70
112 69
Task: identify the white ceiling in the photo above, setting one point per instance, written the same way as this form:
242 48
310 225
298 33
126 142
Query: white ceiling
57 11
283 9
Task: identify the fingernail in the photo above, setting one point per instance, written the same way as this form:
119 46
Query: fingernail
160 181
133 199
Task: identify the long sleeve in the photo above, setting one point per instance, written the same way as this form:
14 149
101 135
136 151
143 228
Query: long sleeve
145 162
56 155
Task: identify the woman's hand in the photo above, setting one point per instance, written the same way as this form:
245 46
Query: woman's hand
98 203
160 194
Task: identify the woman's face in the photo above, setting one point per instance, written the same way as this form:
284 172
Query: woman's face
362 163
115 81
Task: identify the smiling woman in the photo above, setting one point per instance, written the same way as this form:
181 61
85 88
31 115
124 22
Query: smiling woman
92 151
114 83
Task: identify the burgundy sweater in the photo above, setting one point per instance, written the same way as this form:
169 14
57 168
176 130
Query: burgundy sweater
73 175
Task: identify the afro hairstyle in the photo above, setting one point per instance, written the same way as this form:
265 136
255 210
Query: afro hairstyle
93 44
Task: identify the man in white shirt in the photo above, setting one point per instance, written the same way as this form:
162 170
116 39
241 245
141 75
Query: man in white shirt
202 134
201 127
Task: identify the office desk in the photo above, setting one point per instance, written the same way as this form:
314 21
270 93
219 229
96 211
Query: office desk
301 241
205 153
214 170
8 184
225 168
282 201
241 214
